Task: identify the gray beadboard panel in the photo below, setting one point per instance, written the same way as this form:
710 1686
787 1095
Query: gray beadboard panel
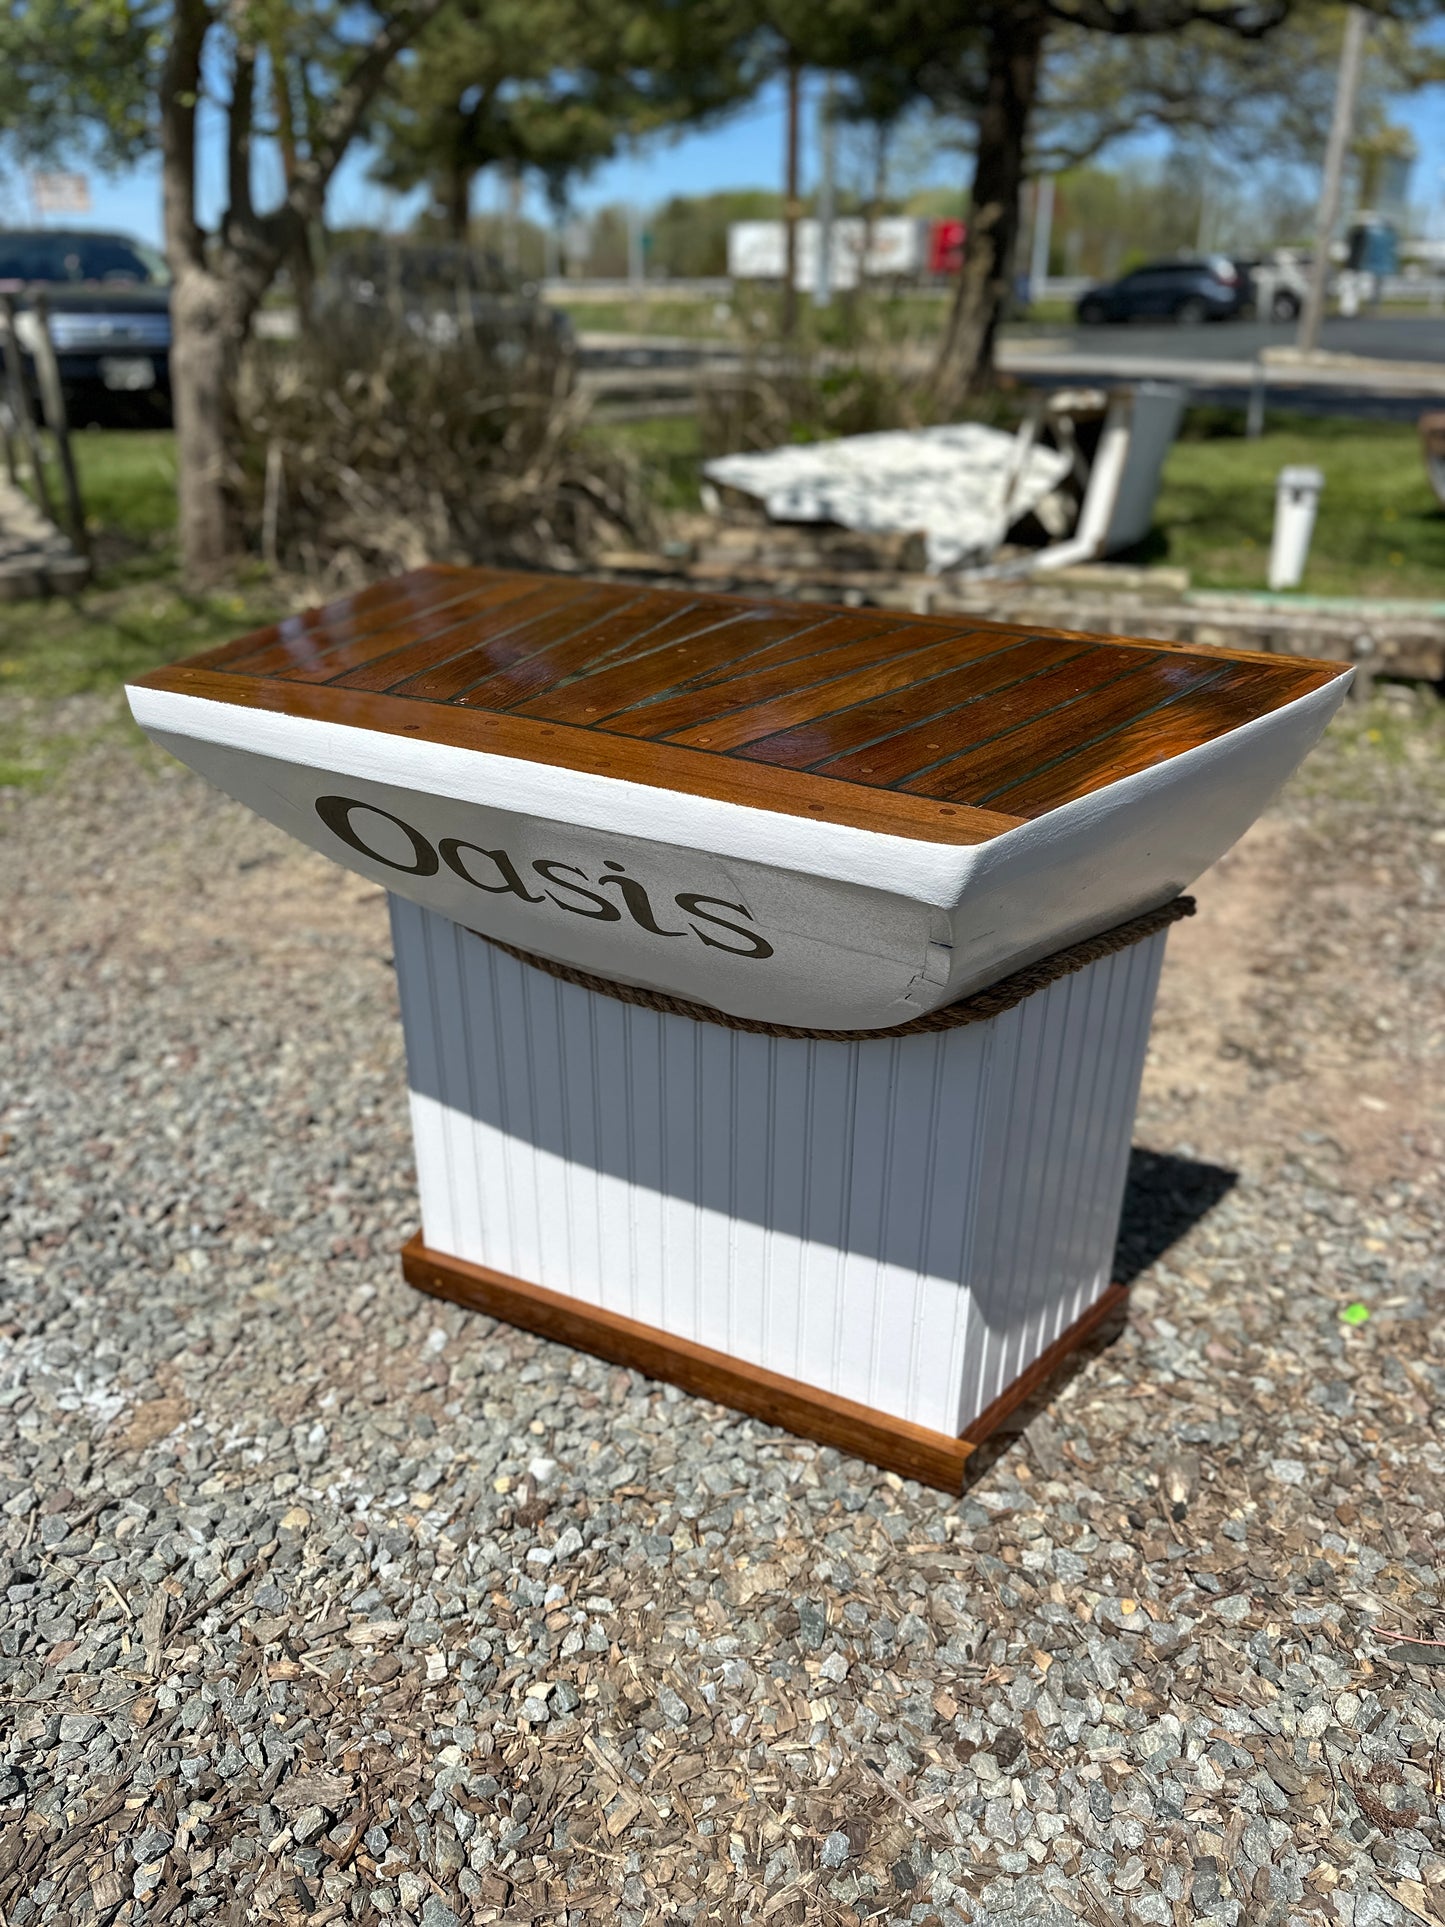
1068 1068
907 1222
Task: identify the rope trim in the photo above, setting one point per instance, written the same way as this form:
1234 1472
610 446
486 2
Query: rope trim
992 1001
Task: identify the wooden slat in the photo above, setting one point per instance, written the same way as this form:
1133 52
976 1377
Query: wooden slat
295 645
799 662
529 670
903 753
725 714
917 711
839 628
375 595
549 614
587 698
448 627
694 772
1012 757
1239 695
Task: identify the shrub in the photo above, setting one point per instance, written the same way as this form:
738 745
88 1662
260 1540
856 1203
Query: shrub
380 441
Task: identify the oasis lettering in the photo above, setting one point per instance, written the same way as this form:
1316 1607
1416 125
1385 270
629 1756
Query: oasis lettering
563 884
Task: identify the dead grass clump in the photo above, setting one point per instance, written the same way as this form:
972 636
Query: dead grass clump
779 397
382 442
775 400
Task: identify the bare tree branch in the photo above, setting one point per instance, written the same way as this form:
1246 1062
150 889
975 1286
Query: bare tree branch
239 116
344 115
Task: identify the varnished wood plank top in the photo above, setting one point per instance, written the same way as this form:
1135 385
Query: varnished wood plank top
934 726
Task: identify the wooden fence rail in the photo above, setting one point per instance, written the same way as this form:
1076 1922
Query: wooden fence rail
19 424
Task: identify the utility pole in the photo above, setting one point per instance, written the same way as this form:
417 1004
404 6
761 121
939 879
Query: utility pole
635 263
823 284
512 219
790 204
1042 235
1341 126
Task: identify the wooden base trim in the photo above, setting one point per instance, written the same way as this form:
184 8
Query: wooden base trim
1034 1377
913 1451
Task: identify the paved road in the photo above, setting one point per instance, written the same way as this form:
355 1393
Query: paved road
1403 359
1397 371
1383 338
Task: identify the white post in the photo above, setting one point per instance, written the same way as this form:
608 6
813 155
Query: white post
1346 87
823 284
1296 499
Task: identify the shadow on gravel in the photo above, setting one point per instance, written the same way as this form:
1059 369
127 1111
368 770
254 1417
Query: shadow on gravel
1164 1197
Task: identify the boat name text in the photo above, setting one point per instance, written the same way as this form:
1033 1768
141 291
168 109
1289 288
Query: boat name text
501 876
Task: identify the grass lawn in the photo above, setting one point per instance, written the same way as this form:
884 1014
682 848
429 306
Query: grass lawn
1380 531
57 652
692 316
752 313
669 448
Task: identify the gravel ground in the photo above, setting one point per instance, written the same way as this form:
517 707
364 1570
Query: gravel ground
325 1601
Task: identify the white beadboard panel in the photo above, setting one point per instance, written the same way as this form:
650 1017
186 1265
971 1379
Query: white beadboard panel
907 1222
1061 1109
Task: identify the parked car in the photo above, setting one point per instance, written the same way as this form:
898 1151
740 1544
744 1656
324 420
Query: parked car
110 318
437 288
1186 292
1278 284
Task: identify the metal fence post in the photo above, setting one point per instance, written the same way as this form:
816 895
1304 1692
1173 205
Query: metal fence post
20 404
52 399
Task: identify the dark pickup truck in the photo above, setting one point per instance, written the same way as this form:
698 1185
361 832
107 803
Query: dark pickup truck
110 318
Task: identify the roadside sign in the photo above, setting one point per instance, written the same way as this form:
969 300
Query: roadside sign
60 193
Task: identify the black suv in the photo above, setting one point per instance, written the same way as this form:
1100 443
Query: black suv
1186 292
110 318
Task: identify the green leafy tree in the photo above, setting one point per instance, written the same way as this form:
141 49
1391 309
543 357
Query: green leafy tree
553 87
690 232
985 65
1254 100
1049 81
787 37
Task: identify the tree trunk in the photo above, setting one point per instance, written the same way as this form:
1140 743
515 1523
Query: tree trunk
217 290
209 320
303 280
457 201
1015 47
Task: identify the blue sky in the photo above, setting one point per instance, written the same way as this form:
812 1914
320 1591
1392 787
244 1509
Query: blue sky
746 151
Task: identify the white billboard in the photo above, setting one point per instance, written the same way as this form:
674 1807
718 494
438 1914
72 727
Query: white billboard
896 245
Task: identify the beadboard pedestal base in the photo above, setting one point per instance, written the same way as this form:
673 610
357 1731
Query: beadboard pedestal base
913 1451
899 1228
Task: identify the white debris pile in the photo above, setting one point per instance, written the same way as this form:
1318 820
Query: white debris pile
963 485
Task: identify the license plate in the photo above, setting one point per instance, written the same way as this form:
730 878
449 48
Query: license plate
128 372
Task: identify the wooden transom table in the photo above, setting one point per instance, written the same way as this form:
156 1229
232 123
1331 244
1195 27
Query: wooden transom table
688 892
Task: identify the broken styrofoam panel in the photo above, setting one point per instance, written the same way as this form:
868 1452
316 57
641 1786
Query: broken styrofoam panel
962 485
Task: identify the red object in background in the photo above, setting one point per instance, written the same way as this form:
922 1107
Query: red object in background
945 247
